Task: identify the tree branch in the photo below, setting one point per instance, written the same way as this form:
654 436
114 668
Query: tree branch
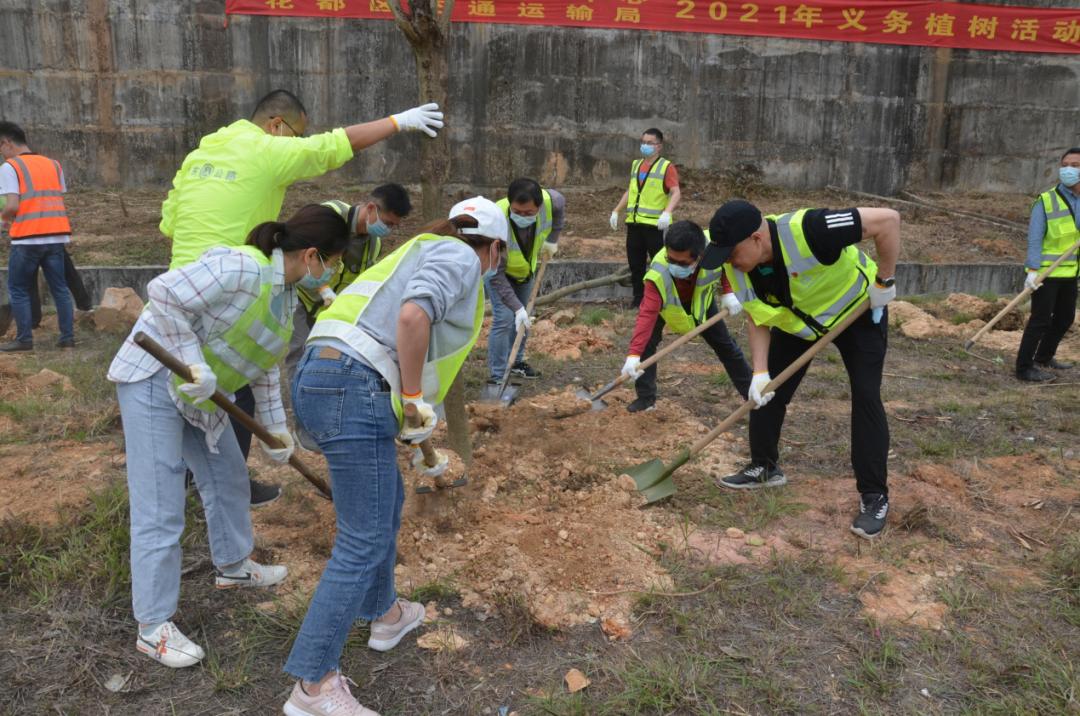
404 22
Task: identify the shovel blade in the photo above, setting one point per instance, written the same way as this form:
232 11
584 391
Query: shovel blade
490 394
596 404
660 491
647 474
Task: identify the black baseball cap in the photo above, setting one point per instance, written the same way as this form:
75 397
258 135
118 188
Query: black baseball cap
730 225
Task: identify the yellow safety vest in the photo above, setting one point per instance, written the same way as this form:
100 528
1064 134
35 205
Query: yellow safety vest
821 294
341 320
1061 234
644 205
672 311
517 264
252 345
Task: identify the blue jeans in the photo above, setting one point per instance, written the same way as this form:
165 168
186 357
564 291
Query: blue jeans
23 263
160 444
503 333
345 406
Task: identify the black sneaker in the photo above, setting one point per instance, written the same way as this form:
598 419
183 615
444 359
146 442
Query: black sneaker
753 477
641 404
1034 375
263 493
1055 364
873 509
521 369
13 346
67 345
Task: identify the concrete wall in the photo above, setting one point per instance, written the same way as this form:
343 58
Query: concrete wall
120 90
911 279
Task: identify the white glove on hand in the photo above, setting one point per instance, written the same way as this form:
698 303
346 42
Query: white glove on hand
327 295
521 320
879 298
630 367
664 221
614 221
279 455
426 418
1029 281
425 118
548 250
728 301
203 384
757 385
436 470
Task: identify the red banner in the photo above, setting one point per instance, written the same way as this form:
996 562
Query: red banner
931 24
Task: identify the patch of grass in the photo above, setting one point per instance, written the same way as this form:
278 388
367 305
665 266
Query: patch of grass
594 315
749 509
720 379
436 590
520 625
961 318
1063 567
878 667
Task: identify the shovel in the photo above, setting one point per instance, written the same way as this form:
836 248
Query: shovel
653 478
595 398
500 395
431 463
1023 294
155 349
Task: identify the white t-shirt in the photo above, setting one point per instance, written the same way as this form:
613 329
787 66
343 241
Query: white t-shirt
9 184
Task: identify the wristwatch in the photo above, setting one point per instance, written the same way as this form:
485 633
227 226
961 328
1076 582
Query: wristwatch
885 282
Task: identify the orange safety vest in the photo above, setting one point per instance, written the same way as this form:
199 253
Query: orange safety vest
41 198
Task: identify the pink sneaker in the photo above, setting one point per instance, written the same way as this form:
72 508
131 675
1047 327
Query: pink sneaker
385 637
333 698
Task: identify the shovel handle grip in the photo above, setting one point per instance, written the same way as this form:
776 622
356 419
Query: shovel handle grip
162 356
779 380
675 344
430 458
521 334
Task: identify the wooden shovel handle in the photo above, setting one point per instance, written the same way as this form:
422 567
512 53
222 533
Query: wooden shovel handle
431 459
521 334
158 351
779 380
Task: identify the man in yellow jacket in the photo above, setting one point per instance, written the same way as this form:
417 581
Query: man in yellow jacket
237 177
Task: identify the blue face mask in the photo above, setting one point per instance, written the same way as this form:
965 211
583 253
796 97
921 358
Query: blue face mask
379 229
1070 176
522 222
647 150
309 281
680 271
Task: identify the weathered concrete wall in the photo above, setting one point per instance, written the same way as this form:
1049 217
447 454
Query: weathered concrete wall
122 89
911 279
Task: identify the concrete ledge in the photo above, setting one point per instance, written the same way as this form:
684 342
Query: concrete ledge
912 279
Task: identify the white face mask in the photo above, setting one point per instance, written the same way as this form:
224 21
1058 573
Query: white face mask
1070 176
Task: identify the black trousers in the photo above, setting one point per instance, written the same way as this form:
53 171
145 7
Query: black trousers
862 346
643 241
1052 309
717 338
74 284
245 400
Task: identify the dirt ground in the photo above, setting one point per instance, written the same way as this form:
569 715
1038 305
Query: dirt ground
929 236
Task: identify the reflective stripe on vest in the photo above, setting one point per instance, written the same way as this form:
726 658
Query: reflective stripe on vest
253 344
41 204
1061 234
824 292
341 321
517 266
645 206
671 310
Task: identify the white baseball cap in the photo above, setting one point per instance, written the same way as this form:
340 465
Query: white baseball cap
491 221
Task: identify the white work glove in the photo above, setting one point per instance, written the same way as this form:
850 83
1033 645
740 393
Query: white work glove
426 414
548 250
203 383
664 222
435 470
327 295
614 221
879 298
521 320
728 301
757 385
1029 281
279 455
425 118
630 367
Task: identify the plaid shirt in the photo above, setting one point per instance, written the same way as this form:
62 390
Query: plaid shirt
191 304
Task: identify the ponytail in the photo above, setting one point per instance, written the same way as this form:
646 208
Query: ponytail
313 226
266 236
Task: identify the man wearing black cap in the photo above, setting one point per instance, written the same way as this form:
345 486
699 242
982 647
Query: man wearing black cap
797 275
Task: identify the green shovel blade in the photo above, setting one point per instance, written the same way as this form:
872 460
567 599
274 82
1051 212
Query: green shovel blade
647 474
653 478
660 491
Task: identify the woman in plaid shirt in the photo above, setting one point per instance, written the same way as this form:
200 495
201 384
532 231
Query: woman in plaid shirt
229 317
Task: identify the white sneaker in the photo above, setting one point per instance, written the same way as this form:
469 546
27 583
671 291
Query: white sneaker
333 698
385 637
251 574
168 645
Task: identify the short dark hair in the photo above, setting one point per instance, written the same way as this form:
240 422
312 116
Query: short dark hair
685 236
655 132
1074 150
524 189
393 197
279 103
12 131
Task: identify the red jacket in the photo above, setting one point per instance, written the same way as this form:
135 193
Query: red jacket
651 305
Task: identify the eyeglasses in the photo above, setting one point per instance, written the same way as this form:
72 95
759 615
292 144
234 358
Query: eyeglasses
291 128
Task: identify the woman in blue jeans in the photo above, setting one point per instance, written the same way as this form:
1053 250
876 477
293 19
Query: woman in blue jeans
389 346
228 316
